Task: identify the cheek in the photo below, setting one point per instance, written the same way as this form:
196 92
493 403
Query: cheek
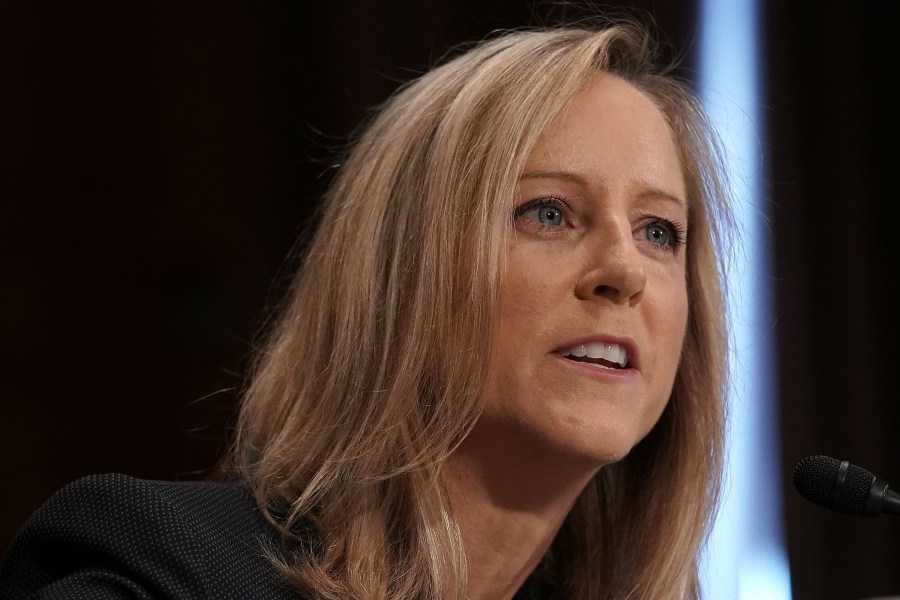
532 293
669 310
667 325
675 309
680 306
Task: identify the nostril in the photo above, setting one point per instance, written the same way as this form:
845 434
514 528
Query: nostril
618 295
605 290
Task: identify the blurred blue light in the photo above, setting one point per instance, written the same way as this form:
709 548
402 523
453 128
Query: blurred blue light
746 557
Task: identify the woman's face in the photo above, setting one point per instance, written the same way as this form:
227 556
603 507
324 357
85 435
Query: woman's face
593 303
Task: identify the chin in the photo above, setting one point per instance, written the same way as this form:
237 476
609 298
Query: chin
592 449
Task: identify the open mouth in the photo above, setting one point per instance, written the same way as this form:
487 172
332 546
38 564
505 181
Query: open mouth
607 356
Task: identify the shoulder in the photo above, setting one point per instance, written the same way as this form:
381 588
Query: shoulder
111 536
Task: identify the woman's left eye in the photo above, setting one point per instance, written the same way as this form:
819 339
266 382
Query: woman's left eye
663 233
657 234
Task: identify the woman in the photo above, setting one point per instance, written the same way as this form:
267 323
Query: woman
499 373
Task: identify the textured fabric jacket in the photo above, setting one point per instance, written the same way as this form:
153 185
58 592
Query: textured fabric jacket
113 536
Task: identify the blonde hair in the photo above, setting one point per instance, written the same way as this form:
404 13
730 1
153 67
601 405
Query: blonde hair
374 372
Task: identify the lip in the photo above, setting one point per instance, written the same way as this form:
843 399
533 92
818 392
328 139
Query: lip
633 364
595 373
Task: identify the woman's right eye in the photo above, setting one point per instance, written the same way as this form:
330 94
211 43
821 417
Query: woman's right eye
544 211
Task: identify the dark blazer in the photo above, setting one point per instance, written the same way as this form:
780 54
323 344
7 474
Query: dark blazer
112 536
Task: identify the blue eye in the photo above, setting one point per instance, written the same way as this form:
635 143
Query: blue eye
657 234
664 233
549 215
548 212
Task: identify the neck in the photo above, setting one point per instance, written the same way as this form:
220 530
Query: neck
510 496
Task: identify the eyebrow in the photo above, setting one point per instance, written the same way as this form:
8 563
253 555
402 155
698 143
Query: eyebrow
651 192
567 175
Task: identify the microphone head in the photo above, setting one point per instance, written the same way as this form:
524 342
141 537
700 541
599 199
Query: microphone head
837 485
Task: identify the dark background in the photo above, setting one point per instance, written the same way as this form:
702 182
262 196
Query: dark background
158 161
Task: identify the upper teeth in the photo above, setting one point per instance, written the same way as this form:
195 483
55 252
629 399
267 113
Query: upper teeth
611 352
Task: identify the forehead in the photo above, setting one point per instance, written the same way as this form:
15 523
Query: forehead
611 130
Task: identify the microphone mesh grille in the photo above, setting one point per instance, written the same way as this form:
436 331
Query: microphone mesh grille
815 478
855 491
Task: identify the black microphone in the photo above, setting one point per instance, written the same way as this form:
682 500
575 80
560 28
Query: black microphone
842 487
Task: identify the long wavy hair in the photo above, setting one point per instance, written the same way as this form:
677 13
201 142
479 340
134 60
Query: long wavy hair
374 370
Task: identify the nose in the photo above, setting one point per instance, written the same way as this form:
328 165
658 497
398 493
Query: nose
614 266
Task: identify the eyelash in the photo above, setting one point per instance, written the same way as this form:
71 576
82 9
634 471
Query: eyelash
677 231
